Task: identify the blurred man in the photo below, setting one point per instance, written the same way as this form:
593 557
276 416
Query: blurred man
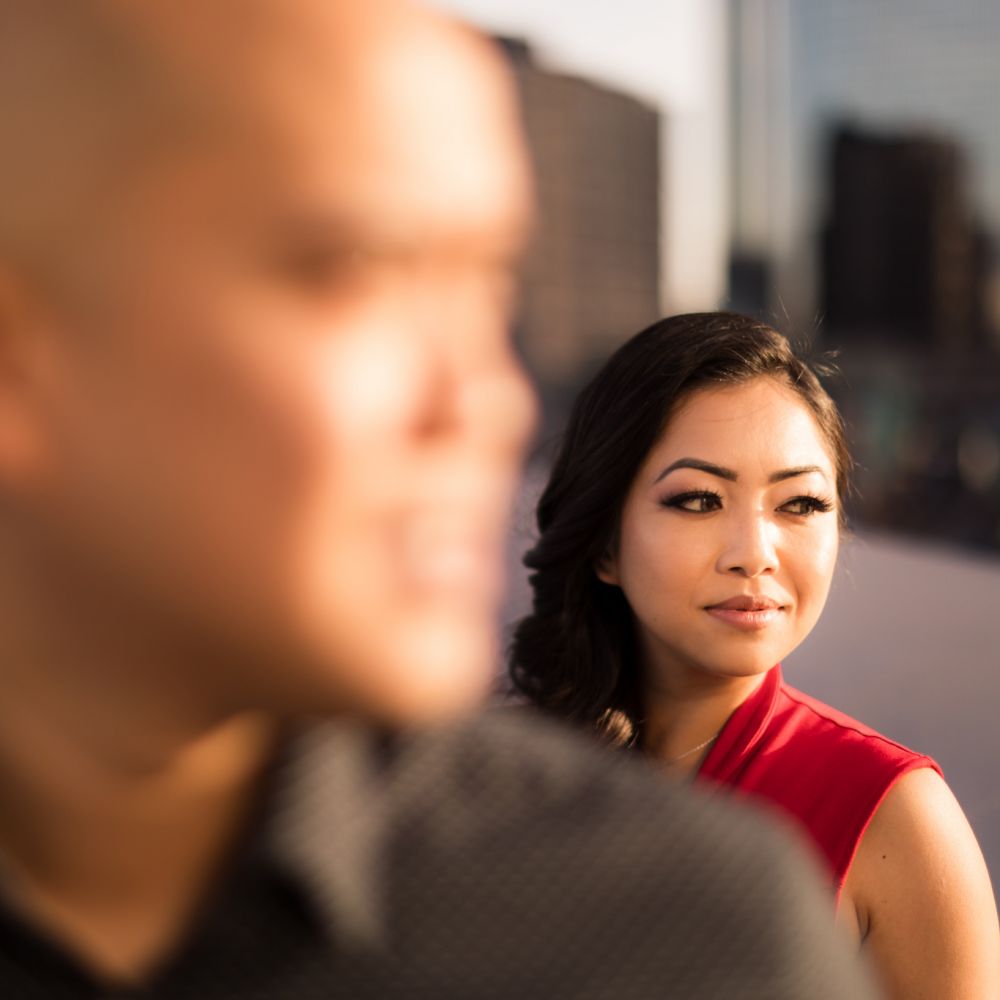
259 427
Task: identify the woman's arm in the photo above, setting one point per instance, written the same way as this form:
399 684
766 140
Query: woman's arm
923 897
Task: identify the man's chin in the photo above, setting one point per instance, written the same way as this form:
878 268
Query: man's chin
429 675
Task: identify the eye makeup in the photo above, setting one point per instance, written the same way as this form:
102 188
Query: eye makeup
708 501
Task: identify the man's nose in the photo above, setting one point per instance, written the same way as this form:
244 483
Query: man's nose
489 402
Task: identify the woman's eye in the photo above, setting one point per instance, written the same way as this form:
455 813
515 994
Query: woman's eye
701 502
803 506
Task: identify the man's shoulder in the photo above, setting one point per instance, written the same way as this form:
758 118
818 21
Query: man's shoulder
538 780
509 830
514 759
505 856
519 764
513 784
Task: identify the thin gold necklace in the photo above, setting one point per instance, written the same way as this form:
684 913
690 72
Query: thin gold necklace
687 753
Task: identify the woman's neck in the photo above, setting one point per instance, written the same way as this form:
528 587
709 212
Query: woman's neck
684 712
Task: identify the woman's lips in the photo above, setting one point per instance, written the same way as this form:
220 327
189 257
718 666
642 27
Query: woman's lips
747 613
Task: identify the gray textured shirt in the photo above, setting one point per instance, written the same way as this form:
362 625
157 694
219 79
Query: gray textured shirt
499 859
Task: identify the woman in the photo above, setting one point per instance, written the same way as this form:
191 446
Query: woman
688 537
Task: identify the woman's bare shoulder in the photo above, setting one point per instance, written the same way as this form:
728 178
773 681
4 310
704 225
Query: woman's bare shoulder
923 897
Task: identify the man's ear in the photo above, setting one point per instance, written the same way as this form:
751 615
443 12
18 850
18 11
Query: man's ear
606 569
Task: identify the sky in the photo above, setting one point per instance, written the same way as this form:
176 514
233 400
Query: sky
671 53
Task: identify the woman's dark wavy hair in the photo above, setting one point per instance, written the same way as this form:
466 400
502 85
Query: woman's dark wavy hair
575 655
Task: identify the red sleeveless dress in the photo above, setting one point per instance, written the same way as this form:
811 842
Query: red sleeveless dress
825 770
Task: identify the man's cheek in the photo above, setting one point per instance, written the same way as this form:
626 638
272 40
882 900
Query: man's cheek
372 381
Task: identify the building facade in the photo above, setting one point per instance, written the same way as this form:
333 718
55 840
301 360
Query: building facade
592 278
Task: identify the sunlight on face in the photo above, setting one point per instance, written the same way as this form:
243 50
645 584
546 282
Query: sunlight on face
729 534
303 428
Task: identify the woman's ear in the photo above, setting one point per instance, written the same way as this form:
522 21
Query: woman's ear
606 569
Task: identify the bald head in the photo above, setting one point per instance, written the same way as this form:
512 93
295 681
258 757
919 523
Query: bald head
93 91
76 98
260 369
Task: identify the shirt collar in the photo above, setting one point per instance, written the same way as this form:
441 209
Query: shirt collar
325 824
743 730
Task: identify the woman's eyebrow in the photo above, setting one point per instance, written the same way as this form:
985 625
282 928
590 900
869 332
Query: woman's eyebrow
801 470
723 473
696 463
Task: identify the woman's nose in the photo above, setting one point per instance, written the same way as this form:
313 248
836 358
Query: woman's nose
750 549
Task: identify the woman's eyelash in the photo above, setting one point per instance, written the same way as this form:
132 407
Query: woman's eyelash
694 501
705 501
810 505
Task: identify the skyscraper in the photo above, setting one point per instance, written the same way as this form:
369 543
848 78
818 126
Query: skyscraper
900 256
593 275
